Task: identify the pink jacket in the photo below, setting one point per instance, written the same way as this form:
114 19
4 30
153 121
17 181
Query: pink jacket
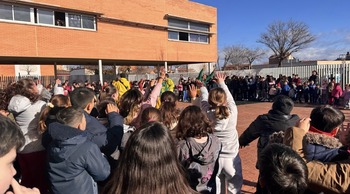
337 91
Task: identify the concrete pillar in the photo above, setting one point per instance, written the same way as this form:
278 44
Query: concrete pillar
55 69
158 69
100 69
166 66
209 68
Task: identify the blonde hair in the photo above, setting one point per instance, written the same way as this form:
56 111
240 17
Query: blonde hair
217 100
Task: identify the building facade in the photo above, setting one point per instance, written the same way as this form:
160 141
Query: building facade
117 32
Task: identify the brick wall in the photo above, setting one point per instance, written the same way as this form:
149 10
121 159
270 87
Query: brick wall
113 41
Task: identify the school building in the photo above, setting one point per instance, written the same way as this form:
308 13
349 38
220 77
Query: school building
39 34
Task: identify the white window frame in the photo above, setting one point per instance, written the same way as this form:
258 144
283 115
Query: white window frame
81 21
189 31
13 14
38 18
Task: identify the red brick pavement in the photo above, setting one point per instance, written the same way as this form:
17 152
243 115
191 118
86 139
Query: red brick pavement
246 114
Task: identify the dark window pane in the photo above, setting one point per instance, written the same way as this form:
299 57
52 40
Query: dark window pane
183 36
74 20
194 37
6 12
173 35
89 22
203 38
45 17
178 23
199 27
22 13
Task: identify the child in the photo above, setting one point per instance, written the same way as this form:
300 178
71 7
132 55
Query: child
75 163
222 110
282 170
149 165
198 148
320 143
150 114
168 110
346 95
328 177
11 140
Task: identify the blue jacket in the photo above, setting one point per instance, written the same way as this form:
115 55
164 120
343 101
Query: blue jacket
108 140
320 147
74 163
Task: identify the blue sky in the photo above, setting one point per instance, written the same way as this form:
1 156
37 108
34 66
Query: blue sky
240 22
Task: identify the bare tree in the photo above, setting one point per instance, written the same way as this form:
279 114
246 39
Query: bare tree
239 55
285 38
252 55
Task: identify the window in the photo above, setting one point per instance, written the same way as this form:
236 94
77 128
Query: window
45 16
60 18
199 26
173 35
188 30
88 22
15 13
183 36
178 23
74 20
21 13
81 21
6 12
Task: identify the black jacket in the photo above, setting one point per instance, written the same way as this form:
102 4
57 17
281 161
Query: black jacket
75 163
265 125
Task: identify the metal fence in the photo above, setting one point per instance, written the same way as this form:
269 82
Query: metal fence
340 72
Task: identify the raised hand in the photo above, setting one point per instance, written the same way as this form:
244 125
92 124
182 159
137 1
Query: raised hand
193 91
220 77
111 108
304 124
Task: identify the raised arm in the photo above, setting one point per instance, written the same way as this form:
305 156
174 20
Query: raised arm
230 101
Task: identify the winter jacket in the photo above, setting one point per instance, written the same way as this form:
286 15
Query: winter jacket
265 125
27 115
320 147
107 139
329 177
337 91
75 163
224 129
199 160
122 86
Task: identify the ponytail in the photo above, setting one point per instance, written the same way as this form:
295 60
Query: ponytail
222 112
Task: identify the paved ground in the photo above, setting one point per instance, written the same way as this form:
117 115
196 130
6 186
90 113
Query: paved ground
246 114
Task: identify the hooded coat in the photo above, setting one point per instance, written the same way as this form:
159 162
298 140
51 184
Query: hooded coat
264 126
199 160
27 115
320 147
74 163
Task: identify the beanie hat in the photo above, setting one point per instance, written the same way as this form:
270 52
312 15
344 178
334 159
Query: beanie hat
283 104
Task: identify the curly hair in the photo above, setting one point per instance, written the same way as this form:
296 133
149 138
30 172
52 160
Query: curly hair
217 99
193 122
23 87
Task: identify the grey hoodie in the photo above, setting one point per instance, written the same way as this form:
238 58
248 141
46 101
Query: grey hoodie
27 115
199 160
224 129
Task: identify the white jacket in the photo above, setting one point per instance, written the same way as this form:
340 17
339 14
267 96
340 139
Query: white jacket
27 116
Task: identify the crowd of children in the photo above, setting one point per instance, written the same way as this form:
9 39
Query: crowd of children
113 139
